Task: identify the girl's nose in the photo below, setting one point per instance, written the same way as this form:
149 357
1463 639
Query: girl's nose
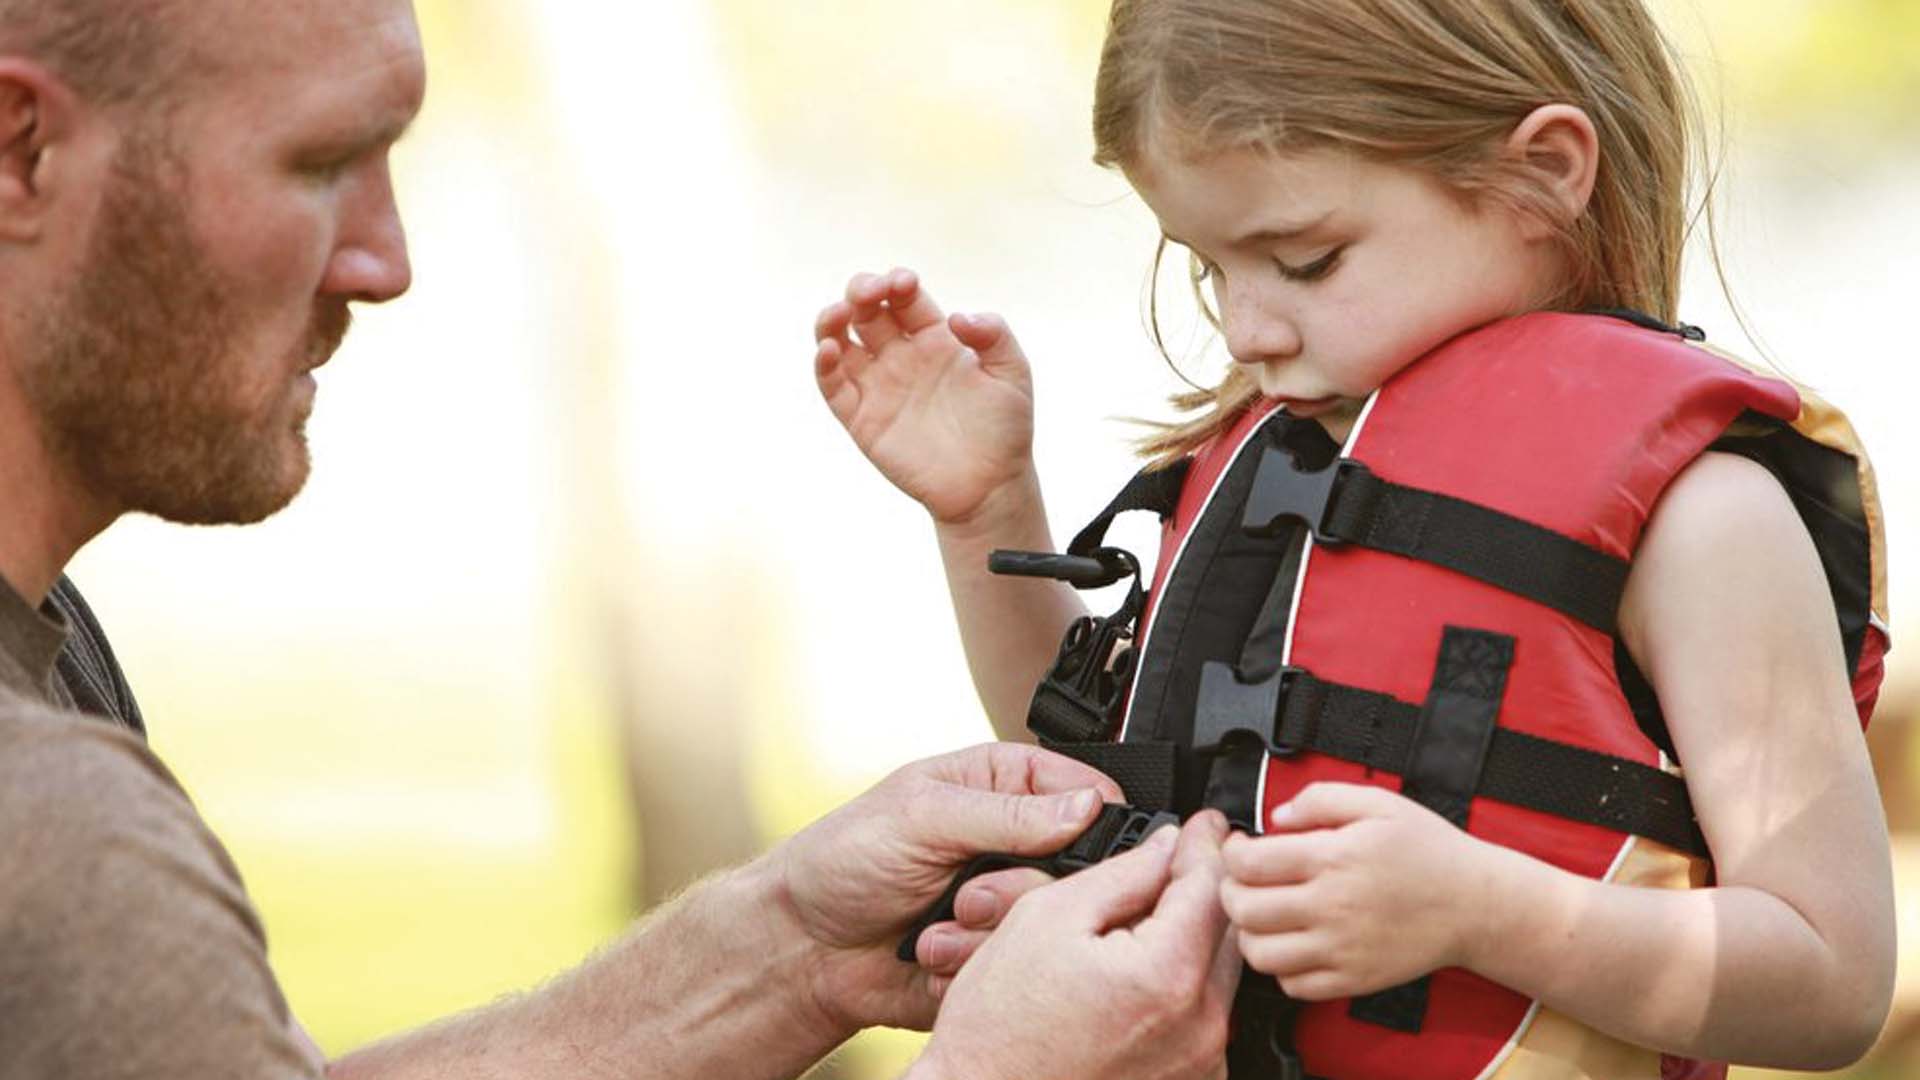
1256 335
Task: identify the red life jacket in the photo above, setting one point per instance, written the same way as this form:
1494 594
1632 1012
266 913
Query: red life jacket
1439 622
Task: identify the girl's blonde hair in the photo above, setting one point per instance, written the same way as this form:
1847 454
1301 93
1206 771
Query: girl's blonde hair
1435 85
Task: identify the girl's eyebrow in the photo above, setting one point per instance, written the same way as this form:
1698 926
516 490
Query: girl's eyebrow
1270 234
1278 233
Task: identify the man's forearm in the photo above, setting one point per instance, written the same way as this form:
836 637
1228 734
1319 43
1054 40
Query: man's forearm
713 985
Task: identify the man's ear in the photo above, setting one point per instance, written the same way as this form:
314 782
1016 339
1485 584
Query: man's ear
38 114
1558 145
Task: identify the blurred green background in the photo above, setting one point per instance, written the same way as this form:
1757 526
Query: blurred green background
589 594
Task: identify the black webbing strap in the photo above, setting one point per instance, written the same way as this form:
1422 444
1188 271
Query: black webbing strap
1347 504
1444 765
1261 1047
1156 489
1144 770
1376 730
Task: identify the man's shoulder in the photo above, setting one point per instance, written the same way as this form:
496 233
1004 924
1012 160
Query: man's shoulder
126 937
72 788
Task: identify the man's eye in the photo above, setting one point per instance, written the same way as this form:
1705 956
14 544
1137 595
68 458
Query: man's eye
1313 271
323 170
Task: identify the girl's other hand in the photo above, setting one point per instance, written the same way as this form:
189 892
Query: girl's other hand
942 406
1353 889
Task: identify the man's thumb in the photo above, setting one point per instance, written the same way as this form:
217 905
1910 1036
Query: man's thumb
1120 891
988 821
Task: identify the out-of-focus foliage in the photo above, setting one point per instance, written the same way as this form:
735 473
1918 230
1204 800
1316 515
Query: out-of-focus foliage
1847 64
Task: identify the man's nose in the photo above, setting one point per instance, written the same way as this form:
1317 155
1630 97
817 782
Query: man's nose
370 261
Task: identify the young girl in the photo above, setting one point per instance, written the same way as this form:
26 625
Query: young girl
1465 556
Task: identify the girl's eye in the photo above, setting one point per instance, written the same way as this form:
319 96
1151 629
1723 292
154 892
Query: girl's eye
1313 271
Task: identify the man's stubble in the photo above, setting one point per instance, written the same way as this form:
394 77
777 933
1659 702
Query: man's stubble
137 376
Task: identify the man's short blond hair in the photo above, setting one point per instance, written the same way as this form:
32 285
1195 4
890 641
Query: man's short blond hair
114 53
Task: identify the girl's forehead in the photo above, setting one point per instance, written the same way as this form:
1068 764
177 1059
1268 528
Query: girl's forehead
1220 190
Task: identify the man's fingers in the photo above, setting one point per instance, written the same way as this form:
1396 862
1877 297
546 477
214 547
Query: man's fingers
985 900
945 947
1018 769
1223 980
1118 891
1190 906
968 822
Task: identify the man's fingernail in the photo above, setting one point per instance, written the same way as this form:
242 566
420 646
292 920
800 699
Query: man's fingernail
1281 814
977 908
1164 837
938 950
1079 806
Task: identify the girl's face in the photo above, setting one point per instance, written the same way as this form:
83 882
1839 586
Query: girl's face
1331 273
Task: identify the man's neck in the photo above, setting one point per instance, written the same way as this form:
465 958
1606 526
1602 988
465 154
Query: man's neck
45 515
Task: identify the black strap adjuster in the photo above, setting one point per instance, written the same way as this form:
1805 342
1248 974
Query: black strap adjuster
1231 709
1283 493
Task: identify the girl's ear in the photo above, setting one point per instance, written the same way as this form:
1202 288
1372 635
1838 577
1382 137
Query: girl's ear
1558 146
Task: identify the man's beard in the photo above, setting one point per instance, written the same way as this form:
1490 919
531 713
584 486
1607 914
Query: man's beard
137 372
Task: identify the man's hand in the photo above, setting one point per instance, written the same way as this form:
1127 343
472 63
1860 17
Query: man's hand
1124 971
855 879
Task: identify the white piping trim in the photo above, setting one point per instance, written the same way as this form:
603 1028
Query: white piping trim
1146 635
1513 1043
1293 612
1873 620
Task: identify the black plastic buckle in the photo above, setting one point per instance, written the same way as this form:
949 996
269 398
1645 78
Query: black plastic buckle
1086 850
1078 699
1231 709
1283 492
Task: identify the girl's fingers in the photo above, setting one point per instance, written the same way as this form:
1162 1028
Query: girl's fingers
978 332
873 323
1266 909
832 321
1284 859
1282 955
913 308
834 370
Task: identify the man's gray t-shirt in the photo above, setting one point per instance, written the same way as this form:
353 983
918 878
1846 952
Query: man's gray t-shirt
128 947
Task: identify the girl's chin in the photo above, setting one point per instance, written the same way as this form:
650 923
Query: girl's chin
1306 406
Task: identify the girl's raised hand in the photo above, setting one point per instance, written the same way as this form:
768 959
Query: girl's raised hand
942 406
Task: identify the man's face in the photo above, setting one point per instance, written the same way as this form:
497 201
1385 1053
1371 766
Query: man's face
172 371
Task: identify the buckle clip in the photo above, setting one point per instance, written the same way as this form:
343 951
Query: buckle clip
1283 492
1078 699
1096 571
1231 710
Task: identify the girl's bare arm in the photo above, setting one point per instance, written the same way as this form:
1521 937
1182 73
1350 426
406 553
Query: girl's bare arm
1788 961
